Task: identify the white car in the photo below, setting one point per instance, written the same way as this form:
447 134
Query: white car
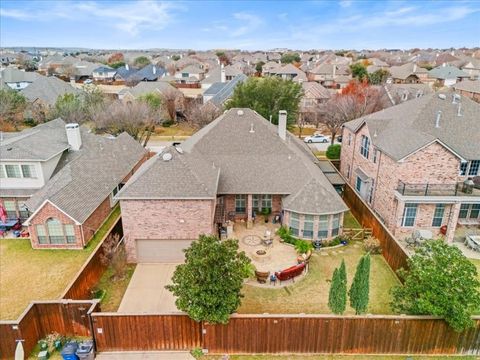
316 138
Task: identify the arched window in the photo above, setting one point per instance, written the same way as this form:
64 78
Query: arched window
55 231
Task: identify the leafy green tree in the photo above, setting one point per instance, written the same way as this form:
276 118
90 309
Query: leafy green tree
439 281
333 151
141 61
12 104
117 64
259 67
359 291
359 71
175 57
153 100
378 77
337 297
289 58
208 285
70 108
268 96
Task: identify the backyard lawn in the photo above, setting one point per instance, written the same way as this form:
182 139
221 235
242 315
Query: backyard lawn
310 295
27 274
114 289
350 222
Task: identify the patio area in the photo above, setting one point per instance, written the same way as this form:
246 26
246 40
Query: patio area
275 257
459 240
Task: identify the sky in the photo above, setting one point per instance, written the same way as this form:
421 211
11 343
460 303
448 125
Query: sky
246 25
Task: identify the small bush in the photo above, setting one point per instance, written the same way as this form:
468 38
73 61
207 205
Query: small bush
30 122
167 123
303 246
372 245
284 233
333 151
197 353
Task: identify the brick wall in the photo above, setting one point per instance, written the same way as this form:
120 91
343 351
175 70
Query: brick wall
49 211
433 164
165 219
91 225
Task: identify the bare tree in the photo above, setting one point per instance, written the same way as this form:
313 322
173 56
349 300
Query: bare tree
170 100
357 100
171 69
199 115
136 118
68 70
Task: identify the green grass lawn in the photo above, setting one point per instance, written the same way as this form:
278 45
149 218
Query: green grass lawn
339 357
349 221
27 274
306 131
310 295
115 289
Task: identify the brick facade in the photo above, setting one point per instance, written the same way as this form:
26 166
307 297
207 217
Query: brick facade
433 164
229 205
165 219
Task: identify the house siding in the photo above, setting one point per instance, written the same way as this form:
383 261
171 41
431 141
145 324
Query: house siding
165 219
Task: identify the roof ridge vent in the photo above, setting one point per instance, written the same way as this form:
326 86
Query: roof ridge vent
459 110
437 119
455 98
252 130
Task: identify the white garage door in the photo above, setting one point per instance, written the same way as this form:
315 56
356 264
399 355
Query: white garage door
161 251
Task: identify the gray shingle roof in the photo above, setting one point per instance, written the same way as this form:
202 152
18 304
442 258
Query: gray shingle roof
47 89
468 85
87 177
402 129
227 91
36 144
145 87
447 72
183 176
12 75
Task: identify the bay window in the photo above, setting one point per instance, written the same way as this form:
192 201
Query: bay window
294 224
335 224
308 227
323 226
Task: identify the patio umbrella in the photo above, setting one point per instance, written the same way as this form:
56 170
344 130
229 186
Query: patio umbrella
3 214
19 353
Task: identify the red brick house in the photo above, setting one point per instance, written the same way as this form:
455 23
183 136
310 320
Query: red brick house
62 179
234 168
410 161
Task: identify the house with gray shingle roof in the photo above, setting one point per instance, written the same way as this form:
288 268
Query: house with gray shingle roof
469 89
60 180
234 168
413 163
447 75
45 90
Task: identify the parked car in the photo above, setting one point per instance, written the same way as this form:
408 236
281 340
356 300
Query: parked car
317 138
88 81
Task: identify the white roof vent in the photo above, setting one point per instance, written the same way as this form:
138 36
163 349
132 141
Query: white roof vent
252 130
179 149
240 112
442 96
167 157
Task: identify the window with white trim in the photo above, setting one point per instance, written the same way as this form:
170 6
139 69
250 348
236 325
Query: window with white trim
308 226
11 208
28 171
240 203
13 171
438 215
463 168
474 167
55 231
365 146
267 202
323 226
469 211
41 234
335 224
294 223
409 215
70 234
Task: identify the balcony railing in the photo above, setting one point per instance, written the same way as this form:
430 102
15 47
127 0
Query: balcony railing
455 189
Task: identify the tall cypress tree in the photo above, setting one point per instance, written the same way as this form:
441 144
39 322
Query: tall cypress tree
359 291
337 297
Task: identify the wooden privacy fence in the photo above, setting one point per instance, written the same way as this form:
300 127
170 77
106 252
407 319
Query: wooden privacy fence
67 317
91 272
253 334
114 332
392 251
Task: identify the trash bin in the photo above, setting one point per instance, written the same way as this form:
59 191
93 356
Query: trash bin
85 350
68 352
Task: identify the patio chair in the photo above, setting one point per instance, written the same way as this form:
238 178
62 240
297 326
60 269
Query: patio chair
471 244
410 241
267 238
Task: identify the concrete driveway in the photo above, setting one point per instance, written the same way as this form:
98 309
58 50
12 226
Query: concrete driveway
146 292
321 146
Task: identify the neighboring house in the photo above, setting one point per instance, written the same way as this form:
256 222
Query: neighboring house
289 72
469 89
313 94
148 73
62 180
190 72
146 87
472 67
104 74
231 71
45 90
410 161
223 91
214 75
447 75
409 73
233 168
330 75
270 67
124 72
16 79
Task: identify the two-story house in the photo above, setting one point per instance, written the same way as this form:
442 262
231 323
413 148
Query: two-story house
410 163
60 180
104 74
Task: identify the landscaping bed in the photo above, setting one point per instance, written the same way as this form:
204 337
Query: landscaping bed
114 289
27 274
311 294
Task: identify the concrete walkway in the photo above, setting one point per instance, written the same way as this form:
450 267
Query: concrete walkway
133 355
146 292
